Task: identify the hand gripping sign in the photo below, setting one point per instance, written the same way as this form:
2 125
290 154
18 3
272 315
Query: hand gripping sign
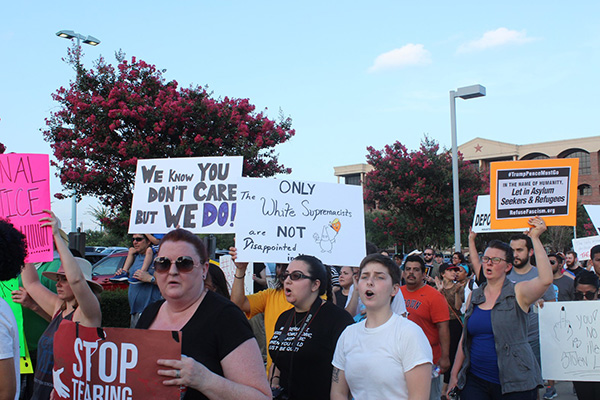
112 363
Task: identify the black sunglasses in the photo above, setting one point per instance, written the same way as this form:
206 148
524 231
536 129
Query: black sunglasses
137 239
183 264
587 295
296 275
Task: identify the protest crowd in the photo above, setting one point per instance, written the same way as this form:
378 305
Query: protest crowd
395 327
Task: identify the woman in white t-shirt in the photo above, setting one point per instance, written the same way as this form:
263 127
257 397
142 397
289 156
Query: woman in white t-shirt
385 356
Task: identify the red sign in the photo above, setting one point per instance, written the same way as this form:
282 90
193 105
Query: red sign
112 363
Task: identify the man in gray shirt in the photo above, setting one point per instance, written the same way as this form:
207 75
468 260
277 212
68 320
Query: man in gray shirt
524 271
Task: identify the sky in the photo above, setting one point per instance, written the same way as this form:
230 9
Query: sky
350 74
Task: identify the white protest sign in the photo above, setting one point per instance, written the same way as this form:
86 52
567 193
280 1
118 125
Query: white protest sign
570 346
279 219
594 214
197 193
582 246
482 218
229 270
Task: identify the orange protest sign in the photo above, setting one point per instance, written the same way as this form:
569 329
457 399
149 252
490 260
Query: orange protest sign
520 190
112 363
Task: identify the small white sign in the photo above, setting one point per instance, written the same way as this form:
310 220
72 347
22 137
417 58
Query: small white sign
582 247
594 214
197 193
570 345
279 219
482 218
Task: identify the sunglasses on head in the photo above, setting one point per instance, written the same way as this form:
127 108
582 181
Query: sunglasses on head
183 264
137 239
296 275
587 295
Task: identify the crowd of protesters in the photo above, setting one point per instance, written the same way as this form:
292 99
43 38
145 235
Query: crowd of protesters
395 327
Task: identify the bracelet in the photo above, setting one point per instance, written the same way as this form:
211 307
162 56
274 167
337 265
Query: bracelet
239 277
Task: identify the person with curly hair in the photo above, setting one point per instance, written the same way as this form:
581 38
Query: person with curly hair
13 250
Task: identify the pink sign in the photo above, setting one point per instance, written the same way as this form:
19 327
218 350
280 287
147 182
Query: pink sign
24 194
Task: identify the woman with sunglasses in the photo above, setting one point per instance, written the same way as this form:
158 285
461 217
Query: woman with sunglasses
304 340
75 299
494 359
220 357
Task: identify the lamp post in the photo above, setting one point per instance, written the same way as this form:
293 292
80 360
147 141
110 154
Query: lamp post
467 92
92 41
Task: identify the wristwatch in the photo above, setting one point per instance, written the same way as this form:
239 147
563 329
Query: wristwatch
153 280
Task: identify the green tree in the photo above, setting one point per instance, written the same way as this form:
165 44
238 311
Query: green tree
414 191
110 117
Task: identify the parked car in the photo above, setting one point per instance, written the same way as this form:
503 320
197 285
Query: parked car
96 249
106 268
112 250
93 257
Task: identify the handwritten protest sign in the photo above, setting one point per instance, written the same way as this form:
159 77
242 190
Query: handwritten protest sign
198 194
482 220
24 193
279 219
520 190
594 214
112 363
570 346
582 246
6 288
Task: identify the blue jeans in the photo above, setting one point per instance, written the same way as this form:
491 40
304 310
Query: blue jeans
480 389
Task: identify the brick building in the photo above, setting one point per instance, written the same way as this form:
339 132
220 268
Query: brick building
484 151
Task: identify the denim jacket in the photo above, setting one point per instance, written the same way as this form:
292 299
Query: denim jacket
519 370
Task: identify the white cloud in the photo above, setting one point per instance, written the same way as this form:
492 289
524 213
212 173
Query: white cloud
409 55
499 37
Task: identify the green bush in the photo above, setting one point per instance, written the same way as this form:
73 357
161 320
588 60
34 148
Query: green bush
115 308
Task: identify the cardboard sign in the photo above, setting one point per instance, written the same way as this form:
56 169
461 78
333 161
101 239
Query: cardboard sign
24 193
112 363
6 288
594 214
198 194
570 345
520 190
582 246
482 220
279 219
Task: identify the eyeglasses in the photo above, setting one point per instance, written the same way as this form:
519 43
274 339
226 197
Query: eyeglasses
428 254
183 264
552 262
588 295
296 275
137 239
494 260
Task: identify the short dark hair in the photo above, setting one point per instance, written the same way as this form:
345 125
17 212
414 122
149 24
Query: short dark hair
500 245
318 271
595 250
559 257
182 235
522 236
13 248
391 266
415 258
461 256
587 278
572 252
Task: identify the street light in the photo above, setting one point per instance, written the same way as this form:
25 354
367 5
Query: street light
92 41
467 92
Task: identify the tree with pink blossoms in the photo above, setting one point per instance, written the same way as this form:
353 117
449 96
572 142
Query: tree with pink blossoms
110 117
414 191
